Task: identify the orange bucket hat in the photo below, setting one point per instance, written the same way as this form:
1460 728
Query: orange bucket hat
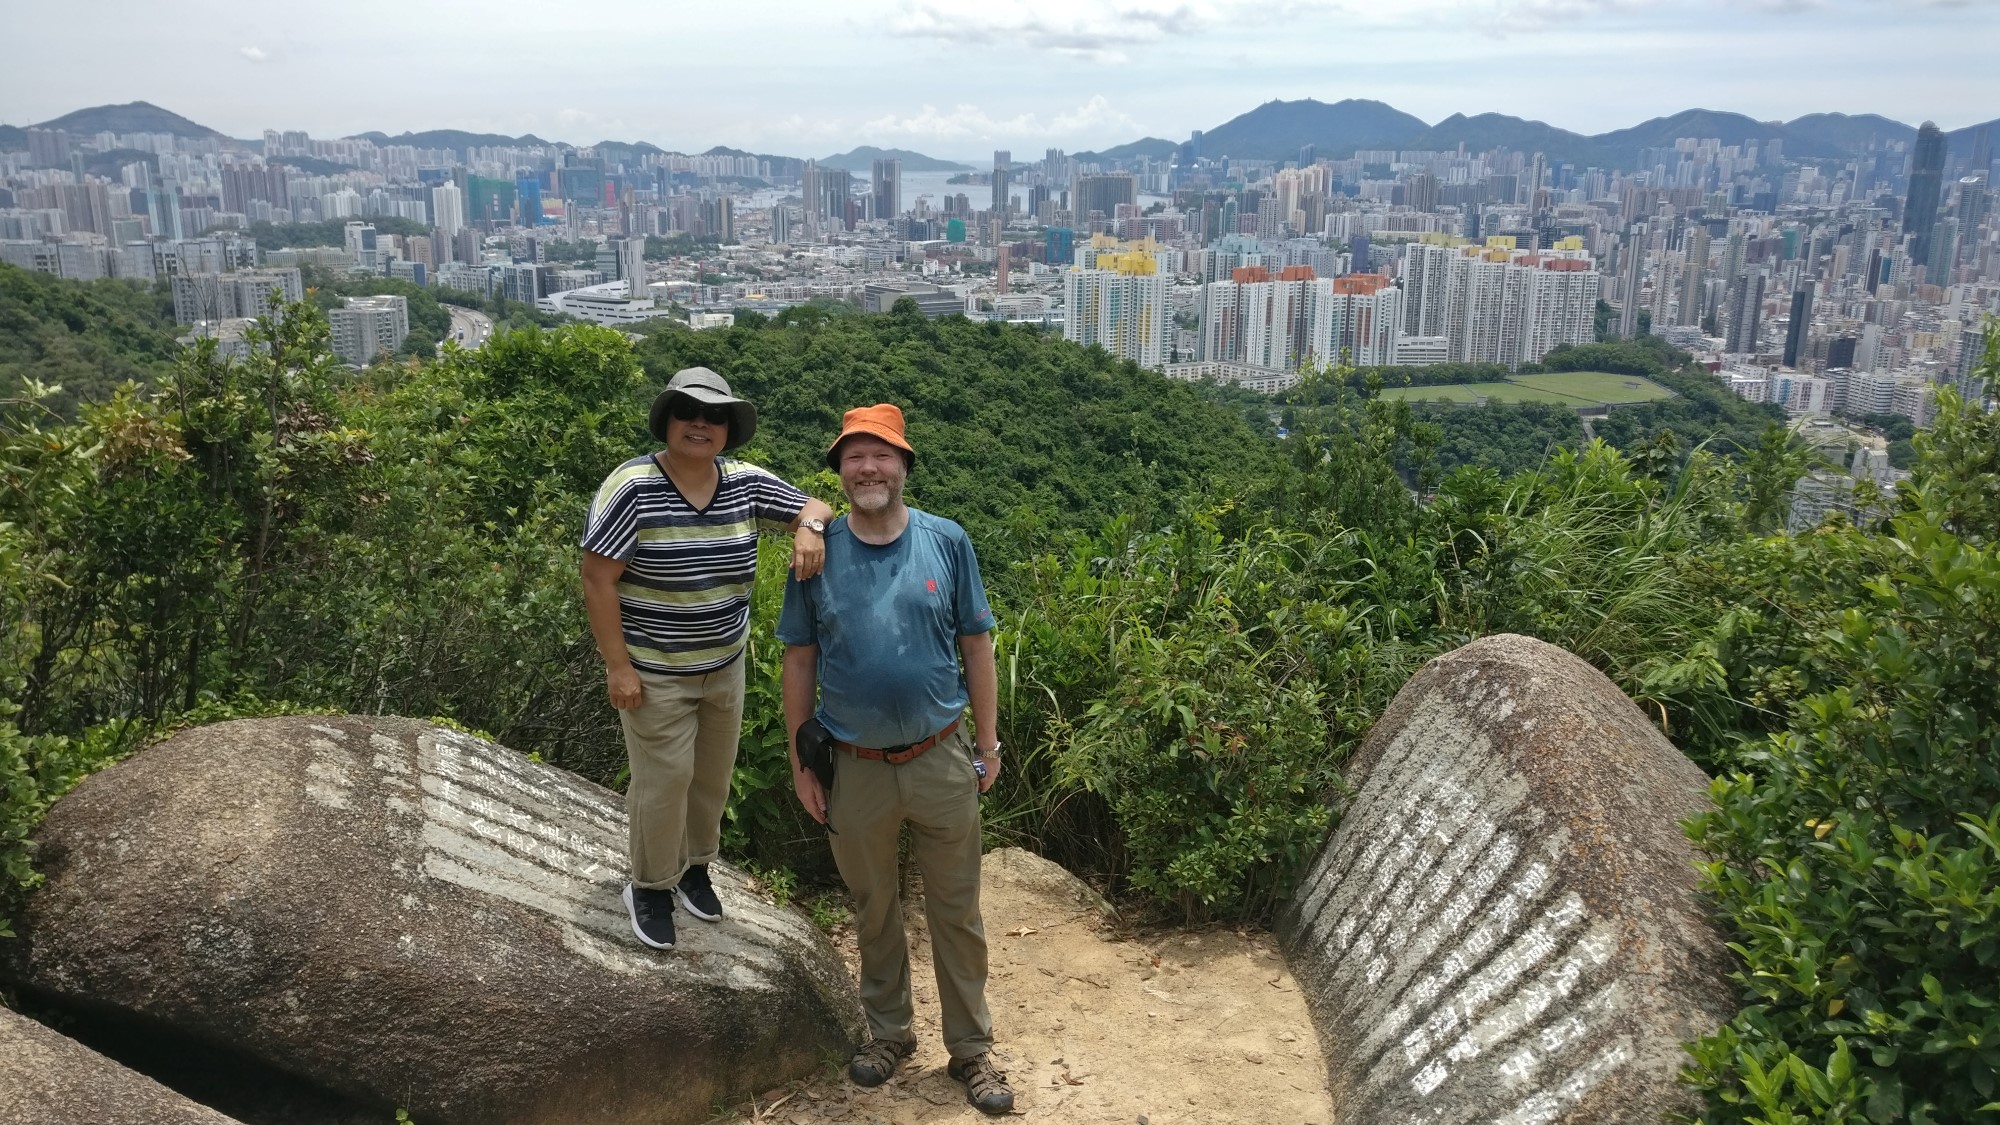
883 420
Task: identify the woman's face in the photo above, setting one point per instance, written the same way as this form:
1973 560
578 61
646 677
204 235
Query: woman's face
695 429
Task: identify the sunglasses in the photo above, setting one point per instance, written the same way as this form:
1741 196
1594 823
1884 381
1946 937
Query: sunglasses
687 410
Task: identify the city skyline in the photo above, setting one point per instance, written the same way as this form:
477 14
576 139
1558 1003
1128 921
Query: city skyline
1023 74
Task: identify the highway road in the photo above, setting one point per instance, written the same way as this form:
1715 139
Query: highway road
469 328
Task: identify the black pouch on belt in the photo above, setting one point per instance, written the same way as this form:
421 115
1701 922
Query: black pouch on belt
816 751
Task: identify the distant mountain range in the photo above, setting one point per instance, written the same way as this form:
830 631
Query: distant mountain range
1276 130
454 138
1145 148
132 117
862 161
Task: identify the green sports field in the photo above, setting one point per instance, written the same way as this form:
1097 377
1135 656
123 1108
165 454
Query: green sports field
1597 386
1575 389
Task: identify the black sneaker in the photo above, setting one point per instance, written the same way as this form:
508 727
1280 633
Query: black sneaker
652 915
985 1087
698 894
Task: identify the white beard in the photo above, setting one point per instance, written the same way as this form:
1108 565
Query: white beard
876 499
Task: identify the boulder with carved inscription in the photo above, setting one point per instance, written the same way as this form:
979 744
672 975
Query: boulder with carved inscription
403 915
1504 927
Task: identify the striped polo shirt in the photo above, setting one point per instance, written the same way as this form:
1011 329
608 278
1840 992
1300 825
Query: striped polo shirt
684 598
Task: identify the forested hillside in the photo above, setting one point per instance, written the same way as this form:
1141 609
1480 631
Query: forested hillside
86 337
1018 433
1197 623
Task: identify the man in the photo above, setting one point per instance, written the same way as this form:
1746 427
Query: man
880 634
669 555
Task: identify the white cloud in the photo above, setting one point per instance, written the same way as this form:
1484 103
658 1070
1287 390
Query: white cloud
969 122
1094 30
254 54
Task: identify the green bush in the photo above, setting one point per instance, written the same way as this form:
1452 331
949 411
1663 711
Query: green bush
1857 858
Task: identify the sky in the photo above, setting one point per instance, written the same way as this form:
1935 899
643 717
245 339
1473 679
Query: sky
960 78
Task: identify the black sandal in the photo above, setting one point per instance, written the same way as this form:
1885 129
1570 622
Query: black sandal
877 1060
985 1086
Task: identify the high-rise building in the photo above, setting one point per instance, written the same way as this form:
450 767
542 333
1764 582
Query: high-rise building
1981 157
1974 200
1694 274
623 258
368 327
1800 326
244 184
1971 353
1354 319
1295 319
363 247
527 282
223 296
1493 303
1058 245
1426 274
826 193
1119 305
1421 192
1920 205
886 182
528 200
448 209
1943 251
1746 309
1634 249
1103 194
1003 162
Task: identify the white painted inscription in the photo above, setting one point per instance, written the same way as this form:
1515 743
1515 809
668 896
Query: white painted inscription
1470 976
491 822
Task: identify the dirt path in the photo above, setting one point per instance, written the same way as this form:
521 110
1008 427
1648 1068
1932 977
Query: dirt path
1093 1026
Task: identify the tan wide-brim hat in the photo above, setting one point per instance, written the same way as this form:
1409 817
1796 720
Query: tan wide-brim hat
705 386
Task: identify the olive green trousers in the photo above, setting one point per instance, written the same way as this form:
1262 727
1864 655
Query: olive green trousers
681 742
937 794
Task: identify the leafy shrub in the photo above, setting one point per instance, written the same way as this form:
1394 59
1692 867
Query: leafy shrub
1857 862
1199 692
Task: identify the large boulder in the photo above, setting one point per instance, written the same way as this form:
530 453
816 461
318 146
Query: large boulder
1504 927
409 916
51 1079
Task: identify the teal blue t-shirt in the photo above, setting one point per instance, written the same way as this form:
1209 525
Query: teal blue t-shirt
887 621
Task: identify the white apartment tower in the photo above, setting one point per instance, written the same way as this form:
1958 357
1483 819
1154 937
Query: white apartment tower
1495 304
1120 306
1297 319
448 210
366 327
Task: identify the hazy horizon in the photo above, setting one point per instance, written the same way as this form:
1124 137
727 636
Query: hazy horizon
1017 74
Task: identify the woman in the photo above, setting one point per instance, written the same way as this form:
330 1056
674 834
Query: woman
669 554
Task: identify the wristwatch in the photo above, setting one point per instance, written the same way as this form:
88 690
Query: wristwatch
815 524
993 753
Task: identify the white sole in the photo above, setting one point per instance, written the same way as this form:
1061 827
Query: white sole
689 907
632 912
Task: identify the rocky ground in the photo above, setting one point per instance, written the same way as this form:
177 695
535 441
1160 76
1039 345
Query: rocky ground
1096 1023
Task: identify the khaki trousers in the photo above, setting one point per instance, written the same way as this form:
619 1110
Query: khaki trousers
681 742
938 795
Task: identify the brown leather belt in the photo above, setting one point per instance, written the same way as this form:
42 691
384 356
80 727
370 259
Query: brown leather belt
897 755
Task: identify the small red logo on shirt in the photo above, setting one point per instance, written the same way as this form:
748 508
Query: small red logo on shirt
931 584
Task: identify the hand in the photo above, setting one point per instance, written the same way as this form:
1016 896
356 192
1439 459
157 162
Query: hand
808 553
626 691
992 760
811 794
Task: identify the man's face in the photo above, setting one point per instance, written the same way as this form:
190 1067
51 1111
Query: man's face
871 473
